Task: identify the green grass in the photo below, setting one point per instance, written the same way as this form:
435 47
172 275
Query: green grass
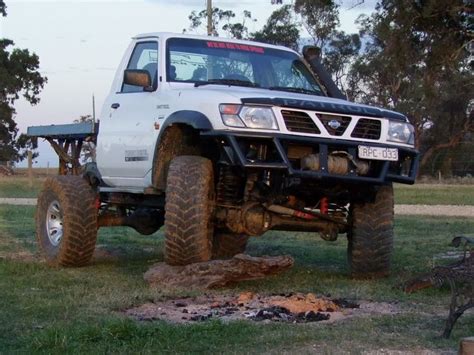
429 194
47 310
433 194
19 187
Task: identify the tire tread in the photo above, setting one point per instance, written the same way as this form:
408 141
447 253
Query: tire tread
371 236
77 200
188 212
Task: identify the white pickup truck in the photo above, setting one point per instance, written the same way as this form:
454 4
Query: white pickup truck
220 140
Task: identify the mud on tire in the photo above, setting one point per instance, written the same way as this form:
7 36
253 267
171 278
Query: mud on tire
66 221
190 200
371 236
226 245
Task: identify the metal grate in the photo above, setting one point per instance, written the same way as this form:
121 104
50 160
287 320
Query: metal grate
335 125
297 121
367 129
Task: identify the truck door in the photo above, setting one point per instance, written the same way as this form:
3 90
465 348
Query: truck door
128 134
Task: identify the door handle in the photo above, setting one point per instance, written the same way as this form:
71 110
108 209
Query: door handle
115 105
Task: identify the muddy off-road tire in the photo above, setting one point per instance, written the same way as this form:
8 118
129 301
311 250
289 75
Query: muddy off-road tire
226 245
190 200
371 236
66 221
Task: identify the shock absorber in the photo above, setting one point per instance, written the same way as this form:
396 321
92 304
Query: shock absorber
229 187
324 205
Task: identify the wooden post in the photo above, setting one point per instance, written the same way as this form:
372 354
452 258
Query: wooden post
467 346
30 168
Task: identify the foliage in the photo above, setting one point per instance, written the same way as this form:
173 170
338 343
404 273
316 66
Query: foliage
237 30
280 29
339 54
416 62
19 76
320 19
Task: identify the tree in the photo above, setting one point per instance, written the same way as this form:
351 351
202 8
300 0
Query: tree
89 145
18 76
320 18
237 30
414 53
340 52
280 29
452 115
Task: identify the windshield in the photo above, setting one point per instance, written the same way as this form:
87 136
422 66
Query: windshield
225 63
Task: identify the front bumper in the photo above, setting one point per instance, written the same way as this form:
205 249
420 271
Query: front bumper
242 148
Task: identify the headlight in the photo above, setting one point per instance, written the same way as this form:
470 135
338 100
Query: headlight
248 116
401 132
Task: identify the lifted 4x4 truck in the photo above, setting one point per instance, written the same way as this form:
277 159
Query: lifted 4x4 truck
220 140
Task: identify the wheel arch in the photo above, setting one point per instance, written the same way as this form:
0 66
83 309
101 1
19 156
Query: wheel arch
195 119
179 135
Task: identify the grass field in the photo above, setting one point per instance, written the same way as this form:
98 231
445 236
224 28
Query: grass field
434 194
19 186
429 194
79 310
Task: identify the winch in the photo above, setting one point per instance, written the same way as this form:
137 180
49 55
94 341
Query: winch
339 162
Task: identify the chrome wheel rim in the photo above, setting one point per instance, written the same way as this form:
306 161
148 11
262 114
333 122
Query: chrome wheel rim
54 223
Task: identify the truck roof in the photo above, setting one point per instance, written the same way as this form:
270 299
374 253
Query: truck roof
166 35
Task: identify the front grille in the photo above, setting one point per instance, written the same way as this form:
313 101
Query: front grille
341 123
367 129
297 121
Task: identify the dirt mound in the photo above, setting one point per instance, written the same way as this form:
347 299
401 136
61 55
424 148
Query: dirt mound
289 308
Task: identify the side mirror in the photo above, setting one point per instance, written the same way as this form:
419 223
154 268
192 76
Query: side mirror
138 77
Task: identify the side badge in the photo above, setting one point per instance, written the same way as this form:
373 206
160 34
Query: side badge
136 155
157 125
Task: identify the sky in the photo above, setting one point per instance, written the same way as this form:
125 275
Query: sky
81 42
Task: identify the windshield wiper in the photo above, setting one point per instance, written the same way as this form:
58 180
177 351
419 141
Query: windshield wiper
298 90
234 82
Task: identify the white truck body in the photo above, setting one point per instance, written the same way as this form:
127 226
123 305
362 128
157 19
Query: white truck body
128 133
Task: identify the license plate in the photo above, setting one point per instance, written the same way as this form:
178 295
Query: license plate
378 153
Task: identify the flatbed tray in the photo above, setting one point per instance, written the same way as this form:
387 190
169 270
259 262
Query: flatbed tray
64 131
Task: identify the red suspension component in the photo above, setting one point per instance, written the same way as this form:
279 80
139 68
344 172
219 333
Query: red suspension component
324 205
303 215
97 203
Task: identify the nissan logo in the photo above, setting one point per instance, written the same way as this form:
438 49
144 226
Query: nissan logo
334 124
